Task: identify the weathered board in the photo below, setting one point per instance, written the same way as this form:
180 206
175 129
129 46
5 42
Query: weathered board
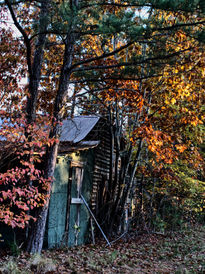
78 215
58 203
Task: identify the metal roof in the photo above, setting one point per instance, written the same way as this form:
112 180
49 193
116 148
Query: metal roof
73 130
76 129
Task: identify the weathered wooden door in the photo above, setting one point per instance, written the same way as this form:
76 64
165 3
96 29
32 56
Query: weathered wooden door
68 219
77 171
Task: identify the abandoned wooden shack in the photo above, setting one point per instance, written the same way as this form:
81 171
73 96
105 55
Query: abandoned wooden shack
83 168
83 164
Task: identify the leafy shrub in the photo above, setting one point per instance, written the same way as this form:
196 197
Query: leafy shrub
10 267
41 265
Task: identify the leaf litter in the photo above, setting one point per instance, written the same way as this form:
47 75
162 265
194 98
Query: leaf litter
176 252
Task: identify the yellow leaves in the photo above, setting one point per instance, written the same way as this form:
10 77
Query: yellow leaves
159 143
194 123
173 101
181 148
185 110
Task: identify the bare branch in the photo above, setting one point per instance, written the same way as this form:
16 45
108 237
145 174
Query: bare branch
25 36
134 63
179 26
103 55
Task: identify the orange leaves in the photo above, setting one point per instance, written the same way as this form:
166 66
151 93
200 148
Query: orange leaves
179 96
181 148
160 143
17 197
20 197
161 146
191 119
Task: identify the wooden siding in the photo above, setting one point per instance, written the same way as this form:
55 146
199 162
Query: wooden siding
101 165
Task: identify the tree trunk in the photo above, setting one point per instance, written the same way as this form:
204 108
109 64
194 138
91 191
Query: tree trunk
36 234
119 206
129 186
34 76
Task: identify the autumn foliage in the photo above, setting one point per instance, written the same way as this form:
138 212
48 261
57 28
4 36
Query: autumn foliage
139 65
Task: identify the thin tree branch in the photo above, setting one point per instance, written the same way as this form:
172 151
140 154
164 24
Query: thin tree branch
104 55
126 64
179 26
25 36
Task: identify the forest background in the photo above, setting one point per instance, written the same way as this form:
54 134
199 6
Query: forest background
138 63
